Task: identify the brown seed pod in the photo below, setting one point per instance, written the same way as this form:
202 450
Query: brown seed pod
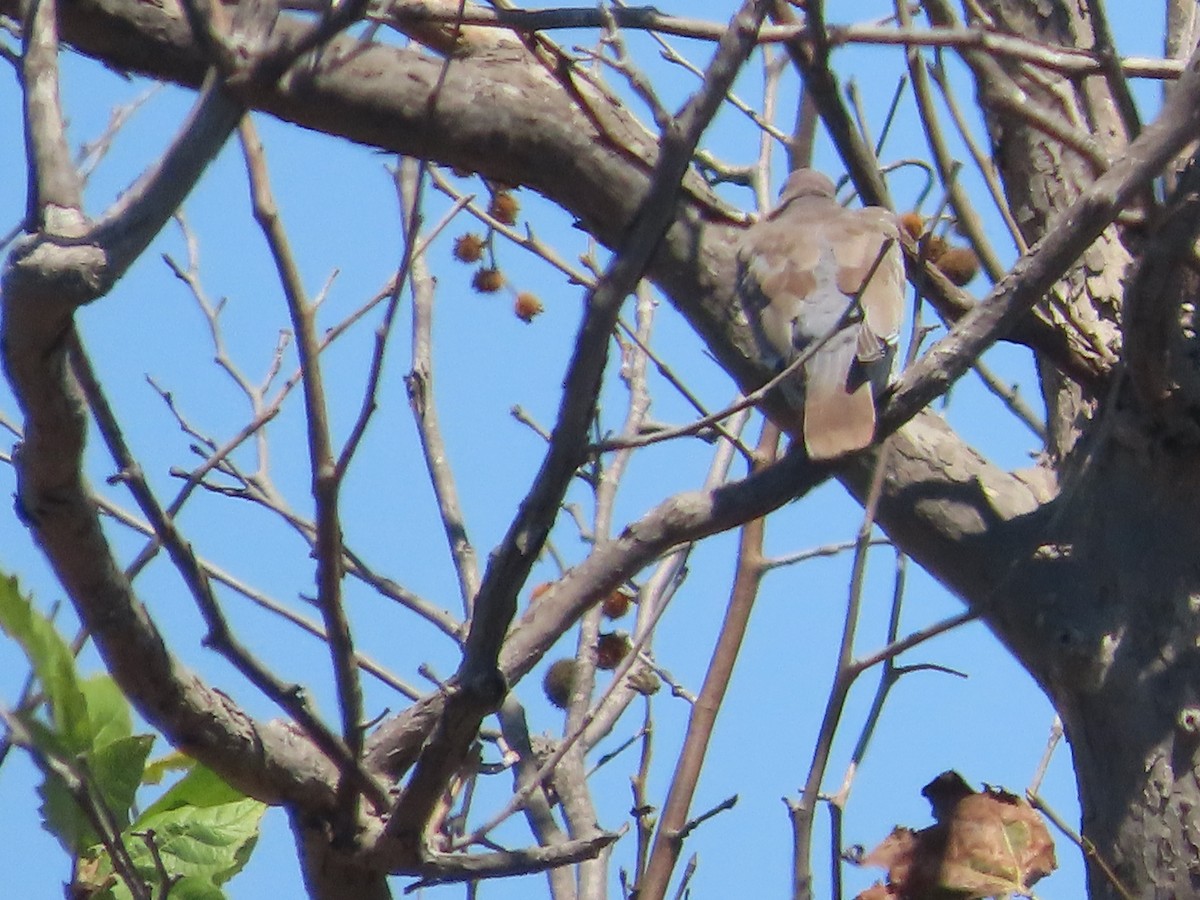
959 264
559 682
468 248
527 306
611 648
617 603
932 247
487 280
644 681
914 223
504 208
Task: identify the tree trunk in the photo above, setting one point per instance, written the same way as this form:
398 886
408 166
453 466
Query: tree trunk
1127 683
329 875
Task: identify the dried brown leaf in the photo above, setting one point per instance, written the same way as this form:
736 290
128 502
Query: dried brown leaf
984 843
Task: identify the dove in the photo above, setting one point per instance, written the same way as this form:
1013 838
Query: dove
800 269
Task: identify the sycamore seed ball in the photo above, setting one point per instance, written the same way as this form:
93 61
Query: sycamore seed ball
560 682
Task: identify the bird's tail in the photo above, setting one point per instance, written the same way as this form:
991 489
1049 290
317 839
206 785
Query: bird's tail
839 409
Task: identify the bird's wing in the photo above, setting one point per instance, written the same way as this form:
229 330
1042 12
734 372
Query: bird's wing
779 257
858 237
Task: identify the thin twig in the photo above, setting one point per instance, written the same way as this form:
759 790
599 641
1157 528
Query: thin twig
1010 396
964 210
1105 50
220 637
673 826
654 598
1052 740
803 811
692 824
834 549
1067 61
327 472
419 383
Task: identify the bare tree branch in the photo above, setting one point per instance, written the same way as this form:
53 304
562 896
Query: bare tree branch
673 824
55 192
327 475
483 686
422 400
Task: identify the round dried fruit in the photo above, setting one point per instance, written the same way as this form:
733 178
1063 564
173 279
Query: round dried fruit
559 682
611 648
487 280
468 247
526 306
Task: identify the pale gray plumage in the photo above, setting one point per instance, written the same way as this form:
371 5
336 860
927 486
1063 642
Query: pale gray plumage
800 268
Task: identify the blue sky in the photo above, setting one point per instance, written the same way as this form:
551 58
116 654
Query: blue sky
339 205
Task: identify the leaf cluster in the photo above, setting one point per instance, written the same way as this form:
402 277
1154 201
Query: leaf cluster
79 730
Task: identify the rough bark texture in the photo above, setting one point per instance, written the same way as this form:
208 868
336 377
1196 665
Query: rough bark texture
1092 582
1126 683
1124 674
1043 175
1118 650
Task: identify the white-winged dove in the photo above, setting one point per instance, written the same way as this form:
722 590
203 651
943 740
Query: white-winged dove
801 267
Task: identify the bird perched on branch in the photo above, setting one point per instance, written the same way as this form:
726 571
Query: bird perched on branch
827 283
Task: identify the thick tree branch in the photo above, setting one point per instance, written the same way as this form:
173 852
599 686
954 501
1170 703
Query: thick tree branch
1160 319
972 526
128 227
447 868
55 200
379 96
1071 61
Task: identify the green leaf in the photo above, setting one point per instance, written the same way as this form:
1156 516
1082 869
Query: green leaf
203 845
62 817
108 711
184 889
201 787
91 729
52 661
195 889
116 771
172 762
209 842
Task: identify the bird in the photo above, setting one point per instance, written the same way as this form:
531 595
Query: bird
801 274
